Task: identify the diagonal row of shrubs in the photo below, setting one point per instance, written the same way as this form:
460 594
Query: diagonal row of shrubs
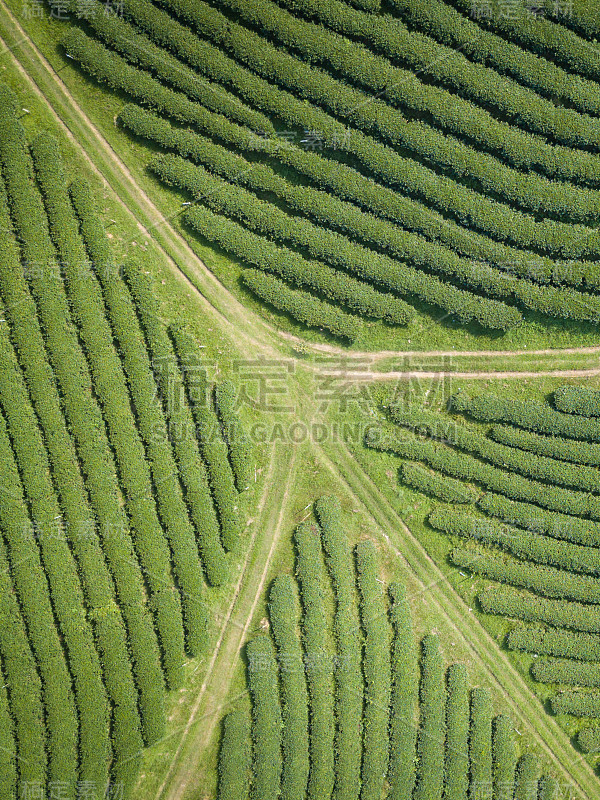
222 197
541 468
546 581
449 67
533 415
545 37
466 467
345 182
462 203
523 544
391 275
401 87
448 26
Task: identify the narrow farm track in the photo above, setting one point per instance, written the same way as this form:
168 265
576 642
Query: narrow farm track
523 704
367 376
267 527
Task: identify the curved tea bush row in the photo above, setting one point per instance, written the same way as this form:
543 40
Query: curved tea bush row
535 548
140 51
73 377
542 445
23 689
214 452
480 740
531 415
552 642
461 33
456 763
569 672
234 757
318 659
301 306
436 485
266 719
504 758
450 67
283 616
507 602
336 286
431 733
466 467
555 42
526 778
588 739
376 669
346 630
404 697
538 467
346 184
29 344
239 444
367 112
533 518
116 541
336 249
546 581
577 400
577 703
498 220
336 213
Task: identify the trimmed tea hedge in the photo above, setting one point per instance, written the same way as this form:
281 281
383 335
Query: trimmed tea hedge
213 450
302 306
239 444
480 740
283 615
547 581
456 764
552 446
536 548
504 758
577 400
589 739
234 757
507 602
526 778
537 520
569 672
530 414
404 697
318 654
436 485
346 630
577 703
431 733
376 669
552 642
266 719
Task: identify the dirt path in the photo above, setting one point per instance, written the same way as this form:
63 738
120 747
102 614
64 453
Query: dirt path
450 607
368 376
208 706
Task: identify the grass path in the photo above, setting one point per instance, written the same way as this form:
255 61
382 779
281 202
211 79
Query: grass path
524 705
208 707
